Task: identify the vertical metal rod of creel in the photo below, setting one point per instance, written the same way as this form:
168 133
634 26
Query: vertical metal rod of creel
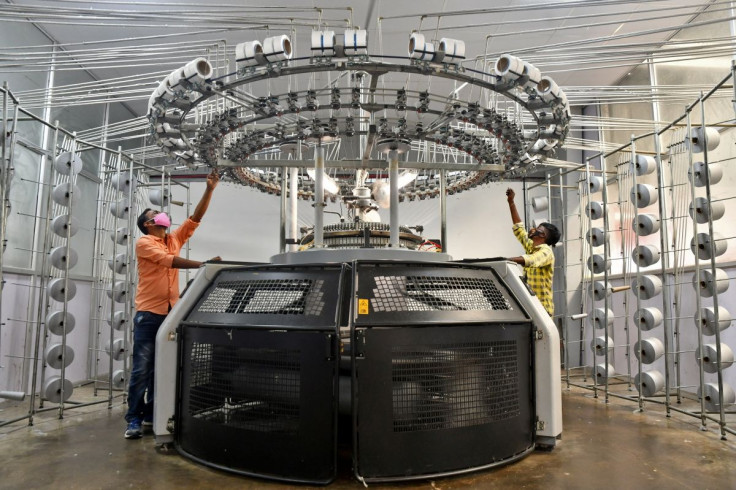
732 28
733 63
592 273
393 178
677 284
3 172
43 298
130 270
625 230
282 211
664 242
606 255
549 220
3 143
293 196
709 197
95 308
115 226
563 269
7 165
67 244
673 333
635 194
99 236
319 195
665 264
443 210
698 301
44 341
581 260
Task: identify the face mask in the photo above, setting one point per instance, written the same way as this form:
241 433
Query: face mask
536 233
161 219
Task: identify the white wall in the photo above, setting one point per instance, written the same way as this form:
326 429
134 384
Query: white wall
243 224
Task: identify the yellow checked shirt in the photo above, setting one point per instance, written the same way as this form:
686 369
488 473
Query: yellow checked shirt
539 266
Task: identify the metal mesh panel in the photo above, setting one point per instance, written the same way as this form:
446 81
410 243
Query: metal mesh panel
272 296
253 389
446 386
422 293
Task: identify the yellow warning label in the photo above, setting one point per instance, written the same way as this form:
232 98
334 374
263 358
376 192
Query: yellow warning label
362 307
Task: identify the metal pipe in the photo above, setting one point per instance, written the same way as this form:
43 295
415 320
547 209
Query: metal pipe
443 210
293 198
319 195
282 212
393 178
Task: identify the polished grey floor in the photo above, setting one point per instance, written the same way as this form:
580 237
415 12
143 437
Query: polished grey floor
605 445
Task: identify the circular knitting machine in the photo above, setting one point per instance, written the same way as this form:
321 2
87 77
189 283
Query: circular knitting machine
418 363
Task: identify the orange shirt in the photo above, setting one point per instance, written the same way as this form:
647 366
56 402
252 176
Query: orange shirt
158 282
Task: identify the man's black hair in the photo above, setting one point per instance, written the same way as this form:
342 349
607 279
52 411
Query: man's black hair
142 219
553 234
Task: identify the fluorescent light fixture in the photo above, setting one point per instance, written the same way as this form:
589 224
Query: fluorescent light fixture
329 184
407 177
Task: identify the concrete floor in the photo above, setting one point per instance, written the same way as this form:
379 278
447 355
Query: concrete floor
603 446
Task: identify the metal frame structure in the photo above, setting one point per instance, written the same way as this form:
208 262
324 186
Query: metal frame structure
107 255
672 190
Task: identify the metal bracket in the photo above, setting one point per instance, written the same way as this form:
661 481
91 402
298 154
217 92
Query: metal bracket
540 424
170 425
538 335
359 347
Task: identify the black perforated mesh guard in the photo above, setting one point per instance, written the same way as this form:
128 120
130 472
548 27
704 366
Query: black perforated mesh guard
449 386
431 294
445 398
260 387
270 296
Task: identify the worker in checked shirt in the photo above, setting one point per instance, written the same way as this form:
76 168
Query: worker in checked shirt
539 260
158 289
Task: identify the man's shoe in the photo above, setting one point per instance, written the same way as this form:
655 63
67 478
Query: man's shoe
134 430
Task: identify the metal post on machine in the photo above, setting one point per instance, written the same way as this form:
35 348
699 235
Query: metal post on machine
319 195
443 210
393 179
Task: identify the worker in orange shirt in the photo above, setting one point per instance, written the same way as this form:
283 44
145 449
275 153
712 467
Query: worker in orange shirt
158 289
